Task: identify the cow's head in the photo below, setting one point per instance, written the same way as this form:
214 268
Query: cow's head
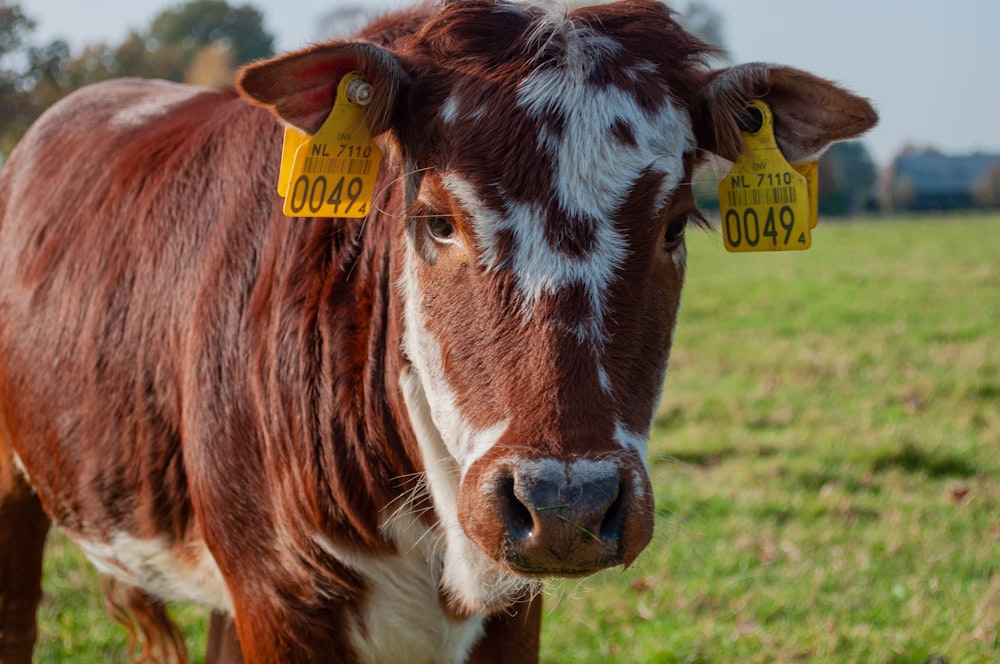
547 159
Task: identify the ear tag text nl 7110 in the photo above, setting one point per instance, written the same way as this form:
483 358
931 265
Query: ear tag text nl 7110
766 203
333 172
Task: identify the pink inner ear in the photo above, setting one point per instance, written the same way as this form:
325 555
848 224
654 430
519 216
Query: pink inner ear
307 111
314 90
810 113
299 88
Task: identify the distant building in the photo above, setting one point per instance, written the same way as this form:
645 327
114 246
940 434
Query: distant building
943 182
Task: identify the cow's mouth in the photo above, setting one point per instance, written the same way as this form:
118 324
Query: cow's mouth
547 517
561 537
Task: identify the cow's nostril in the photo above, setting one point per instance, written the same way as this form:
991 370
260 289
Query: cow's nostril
517 516
546 516
614 519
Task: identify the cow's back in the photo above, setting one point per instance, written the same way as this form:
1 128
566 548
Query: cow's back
120 204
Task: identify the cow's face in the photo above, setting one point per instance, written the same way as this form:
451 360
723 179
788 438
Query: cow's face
542 277
546 161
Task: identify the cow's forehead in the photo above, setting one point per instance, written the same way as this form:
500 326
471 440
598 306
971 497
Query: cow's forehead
606 139
571 111
543 158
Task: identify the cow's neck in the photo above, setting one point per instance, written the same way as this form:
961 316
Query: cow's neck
332 411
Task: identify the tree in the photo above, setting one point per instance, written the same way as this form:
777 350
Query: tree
177 35
199 23
14 26
847 178
14 30
700 19
211 67
200 40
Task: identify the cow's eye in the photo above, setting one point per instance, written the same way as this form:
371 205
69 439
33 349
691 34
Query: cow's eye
440 228
675 231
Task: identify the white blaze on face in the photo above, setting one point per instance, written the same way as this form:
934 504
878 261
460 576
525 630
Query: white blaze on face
631 440
468 575
600 142
594 168
594 171
605 142
464 442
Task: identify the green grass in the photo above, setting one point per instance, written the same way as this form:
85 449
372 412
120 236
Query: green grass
73 624
826 461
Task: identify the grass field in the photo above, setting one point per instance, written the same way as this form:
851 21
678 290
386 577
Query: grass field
826 461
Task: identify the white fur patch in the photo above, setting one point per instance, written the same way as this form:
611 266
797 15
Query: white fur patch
631 440
602 375
19 466
152 564
594 172
540 269
468 574
679 257
402 619
463 442
594 168
449 109
575 473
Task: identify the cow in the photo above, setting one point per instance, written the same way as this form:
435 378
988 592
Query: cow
364 439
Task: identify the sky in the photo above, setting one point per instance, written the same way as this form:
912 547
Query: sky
932 69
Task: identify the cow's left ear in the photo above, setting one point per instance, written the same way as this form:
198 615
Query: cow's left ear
300 87
809 112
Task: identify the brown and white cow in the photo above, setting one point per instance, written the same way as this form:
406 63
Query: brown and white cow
364 440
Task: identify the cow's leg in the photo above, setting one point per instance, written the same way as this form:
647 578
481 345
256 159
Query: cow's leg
512 637
152 634
223 643
23 527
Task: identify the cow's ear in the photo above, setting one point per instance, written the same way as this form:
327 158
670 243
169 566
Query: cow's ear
300 87
809 113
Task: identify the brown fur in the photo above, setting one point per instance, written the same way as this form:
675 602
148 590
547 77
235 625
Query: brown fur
182 363
152 635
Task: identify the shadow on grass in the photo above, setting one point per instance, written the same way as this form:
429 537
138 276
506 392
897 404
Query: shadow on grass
783 514
711 458
912 459
816 480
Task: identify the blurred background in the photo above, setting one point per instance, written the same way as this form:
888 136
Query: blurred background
929 68
825 458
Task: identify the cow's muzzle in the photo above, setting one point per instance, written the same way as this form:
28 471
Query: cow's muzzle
548 517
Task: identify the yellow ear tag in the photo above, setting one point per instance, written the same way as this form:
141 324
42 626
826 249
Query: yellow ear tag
333 172
293 139
764 201
810 169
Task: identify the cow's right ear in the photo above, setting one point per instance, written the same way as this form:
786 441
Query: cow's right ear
809 112
300 87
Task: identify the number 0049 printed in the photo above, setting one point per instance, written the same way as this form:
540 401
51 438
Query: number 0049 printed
771 217
745 229
338 196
